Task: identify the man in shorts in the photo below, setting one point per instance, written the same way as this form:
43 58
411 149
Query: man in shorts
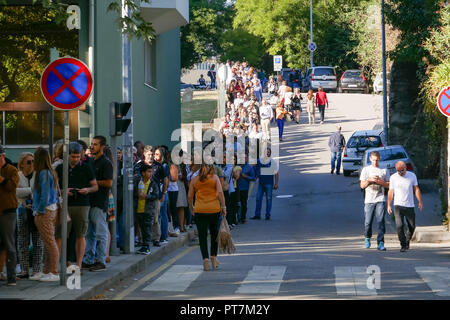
81 182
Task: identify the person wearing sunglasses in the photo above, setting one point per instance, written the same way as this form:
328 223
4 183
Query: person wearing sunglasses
402 188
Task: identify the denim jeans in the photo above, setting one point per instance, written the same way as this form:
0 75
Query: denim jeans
264 189
96 236
371 211
8 223
164 219
280 124
336 161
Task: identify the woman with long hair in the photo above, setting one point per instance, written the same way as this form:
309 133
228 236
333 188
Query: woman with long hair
27 229
45 198
231 94
162 160
310 106
209 204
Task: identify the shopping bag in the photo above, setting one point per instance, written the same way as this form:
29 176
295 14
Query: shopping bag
224 239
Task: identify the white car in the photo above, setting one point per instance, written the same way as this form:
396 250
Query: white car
389 156
358 143
378 82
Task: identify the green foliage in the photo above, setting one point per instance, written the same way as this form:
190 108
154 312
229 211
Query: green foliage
133 25
414 19
27 33
284 26
201 38
240 45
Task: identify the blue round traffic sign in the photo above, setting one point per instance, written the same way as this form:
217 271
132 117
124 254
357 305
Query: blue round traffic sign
312 46
66 83
443 101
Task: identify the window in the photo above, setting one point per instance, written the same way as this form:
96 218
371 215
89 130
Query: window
150 63
364 142
318 72
32 127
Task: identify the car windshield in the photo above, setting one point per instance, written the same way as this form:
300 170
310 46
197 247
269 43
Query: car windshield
353 75
323 72
390 154
364 142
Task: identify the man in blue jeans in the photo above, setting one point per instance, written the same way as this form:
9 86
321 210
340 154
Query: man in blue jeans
266 174
337 145
97 232
373 180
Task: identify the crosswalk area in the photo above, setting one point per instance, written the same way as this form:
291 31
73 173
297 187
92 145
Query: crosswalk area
349 281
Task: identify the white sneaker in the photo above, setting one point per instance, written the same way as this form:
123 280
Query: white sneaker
50 277
37 276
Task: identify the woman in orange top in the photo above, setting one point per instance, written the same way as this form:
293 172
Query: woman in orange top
208 193
280 112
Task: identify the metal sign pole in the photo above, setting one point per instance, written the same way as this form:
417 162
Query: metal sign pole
127 141
383 45
63 273
311 22
113 250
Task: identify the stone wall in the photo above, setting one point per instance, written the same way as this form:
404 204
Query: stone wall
406 121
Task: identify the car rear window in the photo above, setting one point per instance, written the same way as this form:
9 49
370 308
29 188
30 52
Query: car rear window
364 142
390 154
353 75
323 72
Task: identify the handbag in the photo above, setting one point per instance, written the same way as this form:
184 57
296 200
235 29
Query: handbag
224 239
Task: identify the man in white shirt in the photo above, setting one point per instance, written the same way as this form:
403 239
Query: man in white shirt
373 180
266 115
402 188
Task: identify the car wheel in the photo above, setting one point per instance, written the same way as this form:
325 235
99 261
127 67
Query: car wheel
347 173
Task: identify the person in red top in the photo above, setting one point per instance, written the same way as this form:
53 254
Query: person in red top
321 100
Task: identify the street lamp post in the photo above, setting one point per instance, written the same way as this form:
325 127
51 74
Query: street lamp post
383 45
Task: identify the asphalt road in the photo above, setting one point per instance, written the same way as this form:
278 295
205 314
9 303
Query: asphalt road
312 248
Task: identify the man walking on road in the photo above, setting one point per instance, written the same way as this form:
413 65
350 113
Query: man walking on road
337 145
402 188
373 181
321 100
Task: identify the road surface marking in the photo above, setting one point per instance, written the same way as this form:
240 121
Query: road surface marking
352 281
437 278
137 284
178 278
263 279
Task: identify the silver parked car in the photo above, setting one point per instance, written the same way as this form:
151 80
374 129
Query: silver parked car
389 156
357 144
323 76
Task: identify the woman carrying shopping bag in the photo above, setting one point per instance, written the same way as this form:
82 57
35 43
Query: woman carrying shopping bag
209 204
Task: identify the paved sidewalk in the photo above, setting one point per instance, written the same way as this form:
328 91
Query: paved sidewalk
94 283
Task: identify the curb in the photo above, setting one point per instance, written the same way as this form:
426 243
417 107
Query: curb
434 234
128 265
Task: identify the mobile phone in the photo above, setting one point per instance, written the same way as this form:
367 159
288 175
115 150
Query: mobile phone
29 201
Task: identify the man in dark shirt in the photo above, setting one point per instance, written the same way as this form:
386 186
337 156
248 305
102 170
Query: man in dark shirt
336 142
81 183
98 227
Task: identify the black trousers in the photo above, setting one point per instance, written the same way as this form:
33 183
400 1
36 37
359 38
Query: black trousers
173 210
400 213
205 221
322 112
244 199
232 208
8 222
145 221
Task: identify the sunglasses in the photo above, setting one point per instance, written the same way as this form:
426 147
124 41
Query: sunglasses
29 162
402 170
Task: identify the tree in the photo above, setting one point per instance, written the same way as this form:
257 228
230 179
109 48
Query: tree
202 37
27 33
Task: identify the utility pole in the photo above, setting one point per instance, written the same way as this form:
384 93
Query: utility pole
311 22
127 141
383 45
